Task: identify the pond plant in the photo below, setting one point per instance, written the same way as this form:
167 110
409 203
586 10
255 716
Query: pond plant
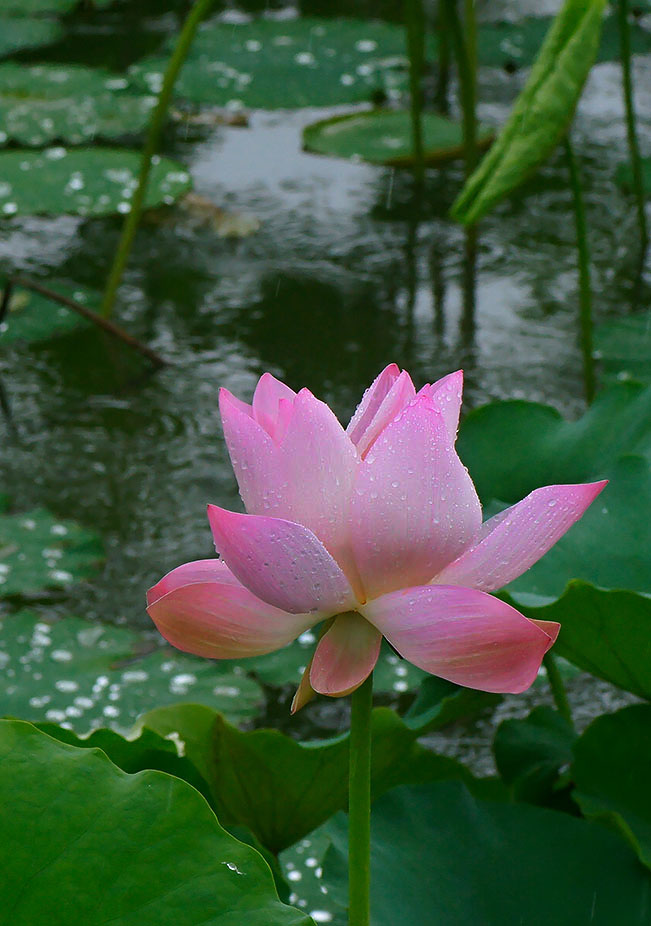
404 690
377 531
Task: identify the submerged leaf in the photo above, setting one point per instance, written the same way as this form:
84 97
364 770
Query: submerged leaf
541 114
32 317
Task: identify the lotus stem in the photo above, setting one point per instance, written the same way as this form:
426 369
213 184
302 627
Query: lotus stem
415 20
359 806
443 77
585 289
464 41
557 686
154 131
631 126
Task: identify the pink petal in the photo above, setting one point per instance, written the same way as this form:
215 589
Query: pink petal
446 394
266 403
382 401
201 570
307 478
217 617
345 655
281 562
414 507
515 539
253 453
462 635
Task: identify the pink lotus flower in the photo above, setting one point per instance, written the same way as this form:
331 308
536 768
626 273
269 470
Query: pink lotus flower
377 529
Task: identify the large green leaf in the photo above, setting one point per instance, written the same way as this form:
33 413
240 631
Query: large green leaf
282 789
608 547
440 855
84 181
612 771
529 753
17 33
623 347
278 64
542 112
88 674
606 628
385 137
85 843
439 703
31 317
148 750
607 633
544 448
43 103
39 551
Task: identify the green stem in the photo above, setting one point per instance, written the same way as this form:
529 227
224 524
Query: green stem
415 20
631 130
557 686
464 42
469 88
154 131
585 290
443 78
359 806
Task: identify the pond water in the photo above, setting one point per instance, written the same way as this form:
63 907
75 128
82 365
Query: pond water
348 271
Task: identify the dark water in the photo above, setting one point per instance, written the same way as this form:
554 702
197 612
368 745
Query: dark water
349 271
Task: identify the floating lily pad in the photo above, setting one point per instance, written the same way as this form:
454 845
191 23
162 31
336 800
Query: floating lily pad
84 181
44 7
278 64
32 317
437 848
83 842
17 33
43 103
384 137
513 45
623 347
89 675
39 551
